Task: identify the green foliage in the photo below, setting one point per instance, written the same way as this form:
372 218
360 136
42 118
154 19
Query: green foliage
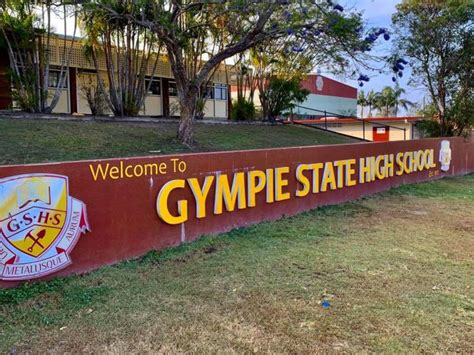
19 29
94 95
24 89
283 95
370 101
128 48
28 290
25 31
243 110
460 118
461 113
200 36
429 128
437 38
362 102
388 101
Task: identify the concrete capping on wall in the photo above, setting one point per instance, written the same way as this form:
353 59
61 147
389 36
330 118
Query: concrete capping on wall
133 205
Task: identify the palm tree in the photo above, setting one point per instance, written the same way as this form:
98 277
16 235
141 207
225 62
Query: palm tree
399 101
385 101
371 98
389 100
362 102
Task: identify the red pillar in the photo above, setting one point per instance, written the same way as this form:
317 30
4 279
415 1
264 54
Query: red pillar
165 97
5 85
229 101
73 89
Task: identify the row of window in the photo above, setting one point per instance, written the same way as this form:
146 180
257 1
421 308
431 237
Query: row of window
218 92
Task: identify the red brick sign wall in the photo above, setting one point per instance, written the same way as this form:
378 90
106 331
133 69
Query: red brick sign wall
133 205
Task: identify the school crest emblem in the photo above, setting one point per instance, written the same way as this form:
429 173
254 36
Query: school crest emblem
39 225
319 83
445 155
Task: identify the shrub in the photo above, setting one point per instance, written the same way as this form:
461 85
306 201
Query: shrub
282 96
243 110
95 97
429 128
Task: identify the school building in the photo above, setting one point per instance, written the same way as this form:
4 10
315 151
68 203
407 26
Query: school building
327 97
161 100
327 100
374 129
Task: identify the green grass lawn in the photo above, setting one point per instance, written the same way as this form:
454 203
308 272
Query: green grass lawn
397 269
28 141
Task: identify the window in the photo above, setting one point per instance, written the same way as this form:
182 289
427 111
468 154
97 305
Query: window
86 71
54 79
207 92
220 92
155 87
172 89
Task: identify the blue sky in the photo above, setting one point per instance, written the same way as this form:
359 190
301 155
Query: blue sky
378 13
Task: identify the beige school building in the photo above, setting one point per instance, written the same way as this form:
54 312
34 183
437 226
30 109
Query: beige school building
161 100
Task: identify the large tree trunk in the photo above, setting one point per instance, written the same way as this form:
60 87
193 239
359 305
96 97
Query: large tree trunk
187 105
441 103
265 107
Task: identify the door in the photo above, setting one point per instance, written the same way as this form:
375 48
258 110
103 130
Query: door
5 87
381 134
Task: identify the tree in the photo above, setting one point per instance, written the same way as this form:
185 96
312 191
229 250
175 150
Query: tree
437 39
362 102
283 58
461 113
129 51
388 101
246 82
26 29
227 28
385 101
399 101
95 97
283 95
371 98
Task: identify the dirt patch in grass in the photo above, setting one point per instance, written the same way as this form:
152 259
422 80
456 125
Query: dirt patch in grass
395 272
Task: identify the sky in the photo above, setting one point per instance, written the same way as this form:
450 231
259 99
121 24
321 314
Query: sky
378 13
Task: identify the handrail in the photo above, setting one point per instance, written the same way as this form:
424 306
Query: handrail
351 118
334 132
362 120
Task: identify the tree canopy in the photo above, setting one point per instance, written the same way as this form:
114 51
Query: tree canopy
223 29
198 37
436 37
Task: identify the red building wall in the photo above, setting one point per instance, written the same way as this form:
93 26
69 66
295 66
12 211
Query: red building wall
329 87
